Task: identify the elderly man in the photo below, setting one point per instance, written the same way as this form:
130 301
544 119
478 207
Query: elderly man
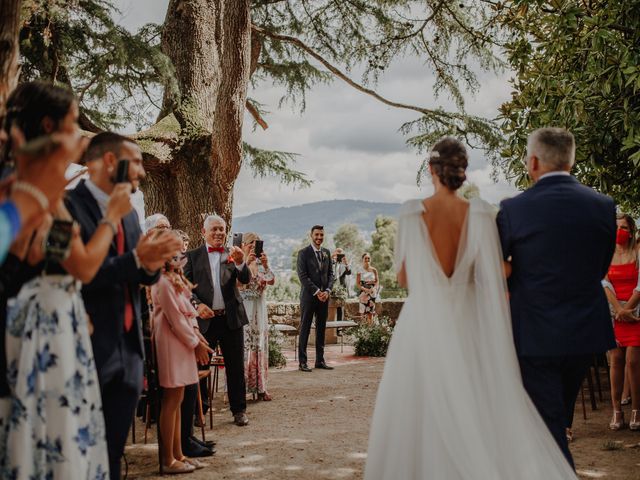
215 270
559 237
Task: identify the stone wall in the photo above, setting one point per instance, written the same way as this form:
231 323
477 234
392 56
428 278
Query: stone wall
289 313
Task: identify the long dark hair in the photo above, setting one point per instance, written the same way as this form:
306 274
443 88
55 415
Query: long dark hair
29 104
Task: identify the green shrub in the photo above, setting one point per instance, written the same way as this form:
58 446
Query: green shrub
276 357
373 340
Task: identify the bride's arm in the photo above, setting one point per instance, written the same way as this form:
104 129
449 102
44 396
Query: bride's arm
402 276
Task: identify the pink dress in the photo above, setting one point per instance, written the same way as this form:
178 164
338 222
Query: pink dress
173 320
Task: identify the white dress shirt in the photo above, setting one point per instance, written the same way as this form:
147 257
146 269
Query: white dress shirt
561 173
214 263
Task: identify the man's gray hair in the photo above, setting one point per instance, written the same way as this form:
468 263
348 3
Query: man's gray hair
213 218
152 220
554 147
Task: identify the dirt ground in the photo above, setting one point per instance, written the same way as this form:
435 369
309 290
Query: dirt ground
317 426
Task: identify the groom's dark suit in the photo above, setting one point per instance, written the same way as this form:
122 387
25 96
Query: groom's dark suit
316 275
560 236
226 326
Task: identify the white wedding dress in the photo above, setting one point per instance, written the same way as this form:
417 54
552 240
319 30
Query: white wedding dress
451 404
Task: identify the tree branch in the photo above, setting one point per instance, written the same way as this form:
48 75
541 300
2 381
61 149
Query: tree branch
300 44
256 115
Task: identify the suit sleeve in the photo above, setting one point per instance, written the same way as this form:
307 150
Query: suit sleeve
303 275
244 274
121 269
504 231
188 272
165 296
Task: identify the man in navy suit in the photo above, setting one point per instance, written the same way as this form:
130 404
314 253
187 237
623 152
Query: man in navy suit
316 278
559 237
112 298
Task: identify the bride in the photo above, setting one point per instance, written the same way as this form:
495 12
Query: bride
451 404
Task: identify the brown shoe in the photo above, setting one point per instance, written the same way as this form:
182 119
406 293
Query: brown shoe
240 419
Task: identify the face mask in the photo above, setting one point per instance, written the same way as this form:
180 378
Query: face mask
622 237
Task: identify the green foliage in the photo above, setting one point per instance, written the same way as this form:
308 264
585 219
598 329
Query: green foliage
115 74
285 290
266 163
373 340
577 66
349 238
276 357
382 246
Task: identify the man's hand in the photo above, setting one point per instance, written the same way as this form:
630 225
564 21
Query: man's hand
237 255
202 353
204 312
154 250
323 296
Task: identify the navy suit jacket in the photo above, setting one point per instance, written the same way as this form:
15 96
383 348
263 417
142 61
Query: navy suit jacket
561 236
104 296
198 271
312 275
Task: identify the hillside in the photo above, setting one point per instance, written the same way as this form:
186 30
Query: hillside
295 222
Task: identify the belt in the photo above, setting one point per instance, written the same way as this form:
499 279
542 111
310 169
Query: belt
219 313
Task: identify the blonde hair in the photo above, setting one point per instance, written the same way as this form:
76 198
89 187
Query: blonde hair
249 237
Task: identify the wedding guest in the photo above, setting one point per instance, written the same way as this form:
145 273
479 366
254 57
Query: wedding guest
184 236
367 282
178 347
157 221
341 270
52 425
112 298
620 283
221 317
256 341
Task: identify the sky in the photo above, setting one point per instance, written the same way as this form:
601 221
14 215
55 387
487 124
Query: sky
349 144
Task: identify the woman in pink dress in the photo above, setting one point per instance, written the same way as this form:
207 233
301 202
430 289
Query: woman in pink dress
179 347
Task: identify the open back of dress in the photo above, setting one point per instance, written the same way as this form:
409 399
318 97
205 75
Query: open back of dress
451 404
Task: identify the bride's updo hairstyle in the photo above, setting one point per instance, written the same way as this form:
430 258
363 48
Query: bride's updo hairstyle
449 160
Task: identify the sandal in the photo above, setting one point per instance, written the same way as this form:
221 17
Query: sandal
634 423
617 421
265 397
177 467
194 462
626 401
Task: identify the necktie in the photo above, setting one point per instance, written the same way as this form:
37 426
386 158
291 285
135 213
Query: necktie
319 257
128 308
215 249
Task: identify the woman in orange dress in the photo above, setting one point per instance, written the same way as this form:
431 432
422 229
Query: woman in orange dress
621 287
179 348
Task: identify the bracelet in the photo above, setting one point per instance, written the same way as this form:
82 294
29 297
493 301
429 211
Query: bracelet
113 226
34 192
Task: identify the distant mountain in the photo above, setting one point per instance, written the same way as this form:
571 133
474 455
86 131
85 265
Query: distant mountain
295 222
282 229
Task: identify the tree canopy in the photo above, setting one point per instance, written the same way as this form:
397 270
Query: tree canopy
577 65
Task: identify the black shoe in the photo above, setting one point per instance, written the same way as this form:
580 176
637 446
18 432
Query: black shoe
323 366
193 449
304 368
206 444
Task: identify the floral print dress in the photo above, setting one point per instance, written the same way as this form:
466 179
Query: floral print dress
52 425
256 337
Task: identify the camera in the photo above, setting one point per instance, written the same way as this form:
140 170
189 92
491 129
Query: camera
237 240
258 248
57 243
339 257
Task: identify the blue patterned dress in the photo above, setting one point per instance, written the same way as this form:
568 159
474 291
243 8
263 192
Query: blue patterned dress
52 426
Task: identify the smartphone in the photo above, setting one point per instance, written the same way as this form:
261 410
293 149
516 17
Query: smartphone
258 248
57 243
122 171
237 240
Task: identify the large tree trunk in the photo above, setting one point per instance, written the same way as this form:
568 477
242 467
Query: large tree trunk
209 43
9 49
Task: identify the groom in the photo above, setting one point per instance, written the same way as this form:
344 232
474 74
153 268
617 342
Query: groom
316 277
559 237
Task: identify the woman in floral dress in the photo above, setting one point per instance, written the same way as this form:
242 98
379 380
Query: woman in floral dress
51 425
367 282
256 337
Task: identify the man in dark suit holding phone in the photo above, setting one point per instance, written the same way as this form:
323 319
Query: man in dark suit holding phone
316 278
221 315
112 298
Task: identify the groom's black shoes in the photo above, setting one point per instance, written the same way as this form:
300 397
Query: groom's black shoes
304 367
323 366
